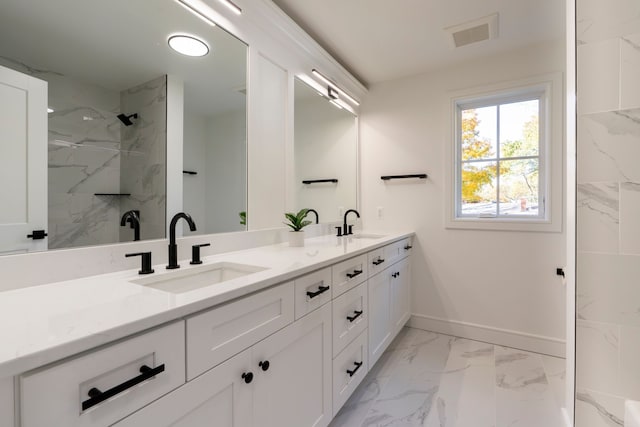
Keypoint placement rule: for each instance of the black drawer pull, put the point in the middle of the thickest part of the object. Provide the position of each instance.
(396, 274)
(353, 318)
(406, 248)
(378, 261)
(353, 372)
(321, 290)
(247, 377)
(264, 365)
(354, 274)
(97, 396)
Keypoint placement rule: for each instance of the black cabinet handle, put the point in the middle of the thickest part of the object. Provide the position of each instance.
(37, 235)
(406, 248)
(96, 396)
(353, 318)
(378, 261)
(247, 377)
(321, 290)
(264, 365)
(353, 372)
(354, 274)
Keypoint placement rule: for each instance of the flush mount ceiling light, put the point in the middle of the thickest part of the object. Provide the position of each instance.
(334, 86)
(188, 45)
(196, 11)
(50, 110)
(232, 6)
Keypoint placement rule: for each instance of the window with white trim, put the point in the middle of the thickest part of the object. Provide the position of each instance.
(501, 146)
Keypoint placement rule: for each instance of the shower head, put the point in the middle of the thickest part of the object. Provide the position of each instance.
(126, 120)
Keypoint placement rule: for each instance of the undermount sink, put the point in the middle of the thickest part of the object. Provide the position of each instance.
(367, 236)
(199, 277)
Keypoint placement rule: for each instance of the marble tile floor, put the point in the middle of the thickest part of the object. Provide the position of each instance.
(433, 380)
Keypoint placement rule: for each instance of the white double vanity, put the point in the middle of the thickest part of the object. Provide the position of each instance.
(269, 336)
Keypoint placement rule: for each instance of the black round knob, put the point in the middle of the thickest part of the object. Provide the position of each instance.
(247, 377)
(264, 365)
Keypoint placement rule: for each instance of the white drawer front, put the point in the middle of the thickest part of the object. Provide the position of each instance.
(350, 317)
(54, 396)
(345, 380)
(394, 252)
(348, 274)
(216, 335)
(377, 261)
(312, 291)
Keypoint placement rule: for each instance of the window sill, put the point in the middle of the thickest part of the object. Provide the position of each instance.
(504, 224)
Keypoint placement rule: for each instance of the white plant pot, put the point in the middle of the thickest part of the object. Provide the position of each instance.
(296, 239)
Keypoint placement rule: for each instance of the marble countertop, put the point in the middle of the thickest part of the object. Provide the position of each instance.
(42, 324)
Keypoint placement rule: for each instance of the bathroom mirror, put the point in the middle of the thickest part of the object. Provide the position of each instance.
(85, 110)
(325, 153)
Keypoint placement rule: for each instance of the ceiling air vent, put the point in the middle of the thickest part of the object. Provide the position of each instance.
(474, 31)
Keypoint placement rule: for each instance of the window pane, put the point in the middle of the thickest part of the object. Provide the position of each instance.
(478, 188)
(519, 182)
(479, 133)
(519, 129)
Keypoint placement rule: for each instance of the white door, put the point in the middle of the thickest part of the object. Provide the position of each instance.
(379, 314)
(400, 282)
(218, 398)
(23, 161)
(295, 390)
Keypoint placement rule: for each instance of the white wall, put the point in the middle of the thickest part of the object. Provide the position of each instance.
(226, 183)
(195, 128)
(486, 285)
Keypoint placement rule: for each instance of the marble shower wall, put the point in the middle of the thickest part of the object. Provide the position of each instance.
(144, 157)
(608, 234)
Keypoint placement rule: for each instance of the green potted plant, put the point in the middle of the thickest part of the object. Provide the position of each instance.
(297, 222)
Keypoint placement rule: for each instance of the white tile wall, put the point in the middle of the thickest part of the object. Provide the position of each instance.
(599, 76)
(629, 71)
(598, 367)
(598, 211)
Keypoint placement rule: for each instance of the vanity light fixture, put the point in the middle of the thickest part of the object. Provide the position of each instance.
(334, 86)
(195, 11)
(333, 102)
(188, 45)
(232, 6)
(50, 110)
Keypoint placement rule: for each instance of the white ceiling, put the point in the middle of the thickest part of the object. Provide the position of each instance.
(380, 40)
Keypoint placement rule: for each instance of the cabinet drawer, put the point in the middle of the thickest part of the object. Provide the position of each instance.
(349, 317)
(377, 261)
(59, 395)
(312, 291)
(349, 368)
(348, 274)
(397, 250)
(216, 335)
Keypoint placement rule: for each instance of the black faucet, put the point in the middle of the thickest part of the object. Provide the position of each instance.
(347, 229)
(173, 248)
(133, 218)
(316, 213)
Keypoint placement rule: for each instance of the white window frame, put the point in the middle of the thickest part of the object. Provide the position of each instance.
(549, 90)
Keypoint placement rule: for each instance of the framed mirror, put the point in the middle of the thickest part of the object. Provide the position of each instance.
(85, 109)
(325, 154)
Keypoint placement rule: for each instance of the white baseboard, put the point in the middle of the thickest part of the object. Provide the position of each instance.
(508, 338)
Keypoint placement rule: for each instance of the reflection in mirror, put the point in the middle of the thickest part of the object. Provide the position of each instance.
(83, 91)
(215, 141)
(325, 152)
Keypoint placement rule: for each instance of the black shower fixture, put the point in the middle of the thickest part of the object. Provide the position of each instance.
(126, 120)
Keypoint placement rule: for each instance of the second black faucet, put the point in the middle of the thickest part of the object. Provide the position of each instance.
(173, 248)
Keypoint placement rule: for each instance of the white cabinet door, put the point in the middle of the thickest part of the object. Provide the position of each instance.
(295, 390)
(6, 402)
(218, 398)
(23, 161)
(379, 315)
(400, 302)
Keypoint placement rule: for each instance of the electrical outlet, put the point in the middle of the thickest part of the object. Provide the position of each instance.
(340, 211)
(380, 212)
